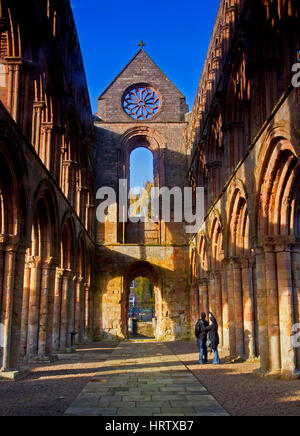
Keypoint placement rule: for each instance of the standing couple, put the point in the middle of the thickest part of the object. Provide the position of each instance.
(207, 336)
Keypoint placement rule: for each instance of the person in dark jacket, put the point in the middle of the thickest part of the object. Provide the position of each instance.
(201, 335)
(214, 338)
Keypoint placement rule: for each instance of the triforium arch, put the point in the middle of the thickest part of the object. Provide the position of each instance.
(70, 157)
(142, 136)
(39, 276)
(147, 270)
(278, 253)
(236, 123)
(214, 154)
(241, 270)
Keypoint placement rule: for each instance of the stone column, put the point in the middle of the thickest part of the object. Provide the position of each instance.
(262, 306)
(296, 287)
(49, 335)
(201, 296)
(212, 295)
(194, 302)
(90, 313)
(231, 309)
(273, 310)
(248, 303)
(218, 299)
(34, 307)
(57, 309)
(78, 308)
(2, 265)
(225, 311)
(238, 309)
(44, 306)
(71, 311)
(25, 307)
(82, 312)
(8, 362)
(38, 106)
(204, 299)
(47, 133)
(65, 334)
(286, 308)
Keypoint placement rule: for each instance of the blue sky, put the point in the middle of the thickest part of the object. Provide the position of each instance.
(177, 35)
(141, 167)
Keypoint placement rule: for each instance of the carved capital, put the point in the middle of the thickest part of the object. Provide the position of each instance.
(33, 261)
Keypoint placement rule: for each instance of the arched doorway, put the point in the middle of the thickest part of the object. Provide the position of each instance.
(150, 274)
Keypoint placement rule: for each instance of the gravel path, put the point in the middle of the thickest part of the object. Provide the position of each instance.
(50, 389)
(238, 390)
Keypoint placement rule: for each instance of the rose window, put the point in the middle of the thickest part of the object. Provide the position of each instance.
(141, 102)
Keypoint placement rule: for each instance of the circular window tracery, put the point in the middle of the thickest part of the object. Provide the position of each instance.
(141, 102)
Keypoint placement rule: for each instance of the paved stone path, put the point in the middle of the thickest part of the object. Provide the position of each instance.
(142, 378)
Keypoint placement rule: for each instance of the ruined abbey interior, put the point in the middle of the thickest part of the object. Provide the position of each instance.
(64, 276)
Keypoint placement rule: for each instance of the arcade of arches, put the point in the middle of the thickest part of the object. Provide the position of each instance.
(65, 278)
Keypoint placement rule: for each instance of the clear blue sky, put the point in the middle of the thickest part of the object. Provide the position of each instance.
(141, 167)
(177, 35)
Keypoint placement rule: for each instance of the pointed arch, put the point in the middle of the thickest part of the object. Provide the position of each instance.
(67, 250)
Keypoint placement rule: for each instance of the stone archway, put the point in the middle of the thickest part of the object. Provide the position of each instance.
(141, 269)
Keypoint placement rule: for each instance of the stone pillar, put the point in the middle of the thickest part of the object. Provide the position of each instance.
(225, 311)
(71, 310)
(231, 309)
(286, 308)
(82, 313)
(273, 313)
(12, 305)
(34, 308)
(17, 307)
(65, 339)
(57, 309)
(262, 306)
(44, 306)
(296, 287)
(248, 303)
(78, 308)
(204, 299)
(88, 319)
(50, 328)
(25, 307)
(211, 294)
(218, 299)
(238, 309)
(38, 106)
(194, 302)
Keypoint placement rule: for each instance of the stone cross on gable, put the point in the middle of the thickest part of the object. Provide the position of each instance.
(142, 44)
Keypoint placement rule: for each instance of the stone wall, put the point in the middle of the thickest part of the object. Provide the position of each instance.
(243, 137)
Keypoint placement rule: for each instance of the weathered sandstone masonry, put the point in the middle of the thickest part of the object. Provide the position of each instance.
(46, 185)
(157, 251)
(243, 139)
